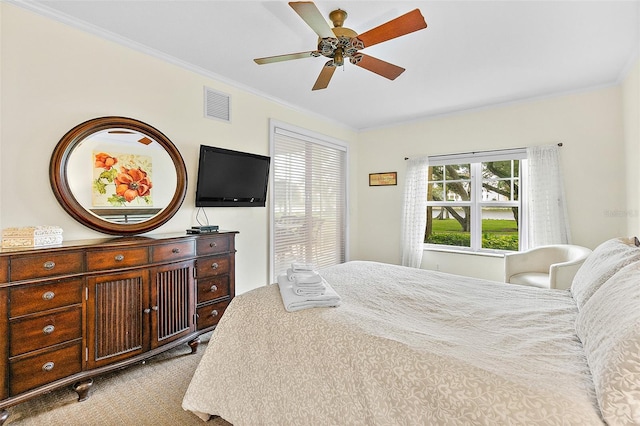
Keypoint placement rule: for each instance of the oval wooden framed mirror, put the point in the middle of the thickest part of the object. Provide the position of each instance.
(118, 175)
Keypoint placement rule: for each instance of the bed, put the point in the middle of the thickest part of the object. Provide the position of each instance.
(410, 346)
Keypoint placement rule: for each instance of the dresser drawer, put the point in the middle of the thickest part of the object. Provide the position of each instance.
(212, 266)
(41, 297)
(45, 265)
(117, 258)
(213, 244)
(209, 315)
(33, 371)
(40, 331)
(4, 269)
(173, 251)
(213, 288)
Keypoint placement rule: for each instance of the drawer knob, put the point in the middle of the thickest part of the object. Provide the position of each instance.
(48, 329)
(119, 257)
(212, 244)
(48, 366)
(214, 313)
(214, 288)
(48, 295)
(146, 311)
(175, 250)
(215, 265)
(49, 265)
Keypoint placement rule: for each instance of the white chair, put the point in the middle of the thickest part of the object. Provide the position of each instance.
(552, 266)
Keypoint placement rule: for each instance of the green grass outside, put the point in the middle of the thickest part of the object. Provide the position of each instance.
(500, 234)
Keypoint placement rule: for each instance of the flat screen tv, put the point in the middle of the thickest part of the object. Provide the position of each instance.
(229, 178)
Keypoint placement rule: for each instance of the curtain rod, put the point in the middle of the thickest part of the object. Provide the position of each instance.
(475, 152)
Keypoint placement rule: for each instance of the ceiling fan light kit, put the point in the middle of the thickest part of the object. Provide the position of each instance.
(339, 42)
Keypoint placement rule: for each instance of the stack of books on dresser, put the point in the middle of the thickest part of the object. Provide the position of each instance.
(31, 236)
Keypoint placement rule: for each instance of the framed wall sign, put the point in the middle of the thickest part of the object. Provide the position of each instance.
(383, 179)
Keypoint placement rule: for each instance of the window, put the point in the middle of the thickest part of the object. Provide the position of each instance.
(474, 201)
(309, 196)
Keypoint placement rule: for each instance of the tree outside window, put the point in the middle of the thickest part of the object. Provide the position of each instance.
(475, 205)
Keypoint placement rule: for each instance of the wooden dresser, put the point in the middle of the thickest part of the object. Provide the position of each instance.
(71, 312)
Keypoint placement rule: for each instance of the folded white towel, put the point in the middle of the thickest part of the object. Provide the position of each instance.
(300, 266)
(317, 289)
(304, 277)
(293, 302)
(308, 293)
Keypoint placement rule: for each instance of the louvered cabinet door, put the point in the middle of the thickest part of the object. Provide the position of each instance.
(173, 301)
(117, 314)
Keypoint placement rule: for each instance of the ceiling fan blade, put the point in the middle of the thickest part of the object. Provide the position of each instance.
(378, 66)
(402, 25)
(312, 16)
(288, 57)
(325, 76)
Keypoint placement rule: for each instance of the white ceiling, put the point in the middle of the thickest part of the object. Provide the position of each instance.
(472, 54)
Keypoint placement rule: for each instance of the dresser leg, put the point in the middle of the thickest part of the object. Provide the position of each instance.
(194, 345)
(4, 415)
(82, 389)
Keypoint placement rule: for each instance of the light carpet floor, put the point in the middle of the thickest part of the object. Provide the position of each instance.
(141, 394)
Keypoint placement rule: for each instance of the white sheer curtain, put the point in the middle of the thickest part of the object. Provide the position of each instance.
(414, 215)
(547, 208)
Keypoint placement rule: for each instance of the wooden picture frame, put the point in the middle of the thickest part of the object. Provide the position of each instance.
(383, 179)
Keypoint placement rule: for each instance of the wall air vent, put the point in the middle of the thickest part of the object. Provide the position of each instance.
(217, 105)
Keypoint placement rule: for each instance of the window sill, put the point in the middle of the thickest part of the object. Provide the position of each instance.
(467, 252)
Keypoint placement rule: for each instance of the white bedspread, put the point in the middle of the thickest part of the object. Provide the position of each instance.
(406, 347)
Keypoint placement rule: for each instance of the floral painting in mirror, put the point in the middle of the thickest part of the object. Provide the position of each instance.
(121, 180)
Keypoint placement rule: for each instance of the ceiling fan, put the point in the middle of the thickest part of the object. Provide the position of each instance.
(339, 42)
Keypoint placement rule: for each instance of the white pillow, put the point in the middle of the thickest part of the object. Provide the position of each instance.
(609, 328)
(607, 259)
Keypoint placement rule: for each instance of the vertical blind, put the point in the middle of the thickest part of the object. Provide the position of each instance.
(309, 201)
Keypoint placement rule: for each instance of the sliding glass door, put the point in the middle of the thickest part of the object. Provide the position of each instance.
(308, 194)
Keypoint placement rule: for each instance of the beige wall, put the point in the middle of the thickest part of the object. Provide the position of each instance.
(589, 125)
(1, 103)
(55, 76)
(631, 111)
